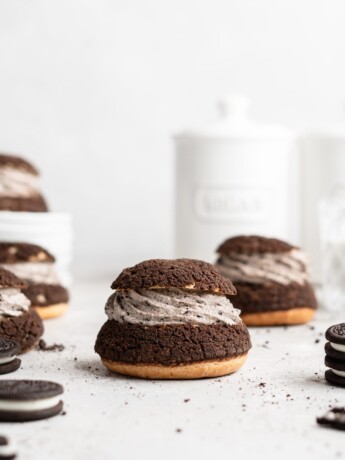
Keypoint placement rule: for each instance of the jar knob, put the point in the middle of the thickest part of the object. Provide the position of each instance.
(234, 106)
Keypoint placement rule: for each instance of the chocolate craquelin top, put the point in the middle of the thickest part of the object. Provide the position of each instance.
(254, 245)
(16, 162)
(11, 253)
(179, 273)
(9, 280)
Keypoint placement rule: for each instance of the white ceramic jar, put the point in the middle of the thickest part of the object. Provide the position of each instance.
(234, 177)
(323, 174)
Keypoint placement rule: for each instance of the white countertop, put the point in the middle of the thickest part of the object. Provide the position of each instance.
(266, 410)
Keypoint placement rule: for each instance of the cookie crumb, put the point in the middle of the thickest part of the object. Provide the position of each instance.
(334, 418)
(42, 346)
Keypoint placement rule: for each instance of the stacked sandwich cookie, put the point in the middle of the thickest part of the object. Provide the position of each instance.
(172, 319)
(35, 265)
(335, 355)
(271, 278)
(18, 320)
(19, 186)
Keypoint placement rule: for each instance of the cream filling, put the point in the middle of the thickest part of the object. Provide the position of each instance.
(338, 347)
(7, 360)
(35, 272)
(170, 306)
(16, 183)
(282, 268)
(28, 406)
(13, 302)
(340, 373)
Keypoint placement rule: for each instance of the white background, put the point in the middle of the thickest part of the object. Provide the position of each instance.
(92, 91)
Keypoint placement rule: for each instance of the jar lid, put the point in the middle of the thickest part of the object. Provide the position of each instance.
(235, 124)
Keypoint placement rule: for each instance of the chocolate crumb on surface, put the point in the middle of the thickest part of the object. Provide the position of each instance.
(42, 346)
(334, 418)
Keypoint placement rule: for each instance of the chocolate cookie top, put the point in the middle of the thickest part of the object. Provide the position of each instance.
(21, 390)
(336, 333)
(9, 348)
(178, 273)
(11, 253)
(253, 245)
(9, 280)
(18, 163)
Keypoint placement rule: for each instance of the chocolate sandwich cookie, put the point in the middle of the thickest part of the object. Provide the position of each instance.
(7, 451)
(271, 279)
(334, 418)
(28, 400)
(9, 349)
(18, 320)
(35, 265)
(172, 319)
(19, 186)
